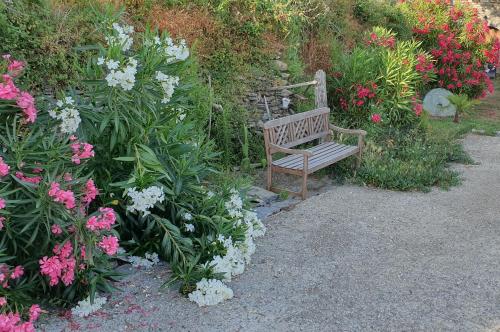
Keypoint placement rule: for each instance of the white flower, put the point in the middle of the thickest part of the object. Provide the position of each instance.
(182, 116)
(187, 216)
(69, 116)
(168, 84)
(210, 194)
(210, 292)
(189, 227)
(235, 205)
(85, 308)
(112, 64)
(124, 78)
(145, 199)
(121, 36)
(174, 52)
(148, 261)
(100, 61)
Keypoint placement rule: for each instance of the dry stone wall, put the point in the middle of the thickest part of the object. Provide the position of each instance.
(489, 9)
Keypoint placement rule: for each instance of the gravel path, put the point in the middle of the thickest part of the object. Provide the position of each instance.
(351, 259)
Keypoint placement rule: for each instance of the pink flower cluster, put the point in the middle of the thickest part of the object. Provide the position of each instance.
(34, 179)
(9, 91)
(90, 193)
(104, 221)
(81, 151)
(109, 244)
(7, 274)
(11, 322)
(65, 197)
(61, 266)
(4, 168)
(376, 118)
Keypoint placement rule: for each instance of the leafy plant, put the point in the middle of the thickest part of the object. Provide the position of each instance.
(462, 103)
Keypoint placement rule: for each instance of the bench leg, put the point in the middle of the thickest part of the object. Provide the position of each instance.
(359, 157)
(269, 177)
(303, 193)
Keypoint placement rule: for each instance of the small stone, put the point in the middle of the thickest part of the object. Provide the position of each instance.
(282, 66)
(285, 76)
(286, 93)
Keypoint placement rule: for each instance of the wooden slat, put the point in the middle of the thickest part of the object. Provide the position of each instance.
(316, 149)
(324, 154)
(337, 158)
(296, 117)
(297, 163)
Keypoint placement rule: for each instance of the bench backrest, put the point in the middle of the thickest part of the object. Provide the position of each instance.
(293, 130)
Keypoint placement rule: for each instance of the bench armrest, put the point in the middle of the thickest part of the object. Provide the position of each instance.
(277, 148)
(358, 132)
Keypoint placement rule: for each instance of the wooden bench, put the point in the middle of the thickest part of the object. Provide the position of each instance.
(281, 135)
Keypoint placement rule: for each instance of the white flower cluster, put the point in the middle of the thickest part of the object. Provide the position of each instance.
(173, 52)
(68, 114)
(148, 261)
(118, 75)
(235, 205)
(145, 199)
(210, 292)
(168, 83)
(122, 36)
(237, 253)
(85, 308)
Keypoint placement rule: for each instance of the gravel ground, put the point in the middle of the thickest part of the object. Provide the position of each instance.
(351, 259)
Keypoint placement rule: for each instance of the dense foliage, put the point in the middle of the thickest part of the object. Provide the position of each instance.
(458, 40)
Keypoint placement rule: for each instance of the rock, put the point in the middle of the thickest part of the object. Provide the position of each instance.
(286, 93)
(436, 103)
(285, 76)
(498, 133)
(262, 196)
(281, 65)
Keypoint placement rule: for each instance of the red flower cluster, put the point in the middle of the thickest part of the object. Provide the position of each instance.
(364, 94)
(375, 39)
(459, 46)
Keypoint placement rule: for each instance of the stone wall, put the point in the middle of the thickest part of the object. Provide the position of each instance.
(260, 91)
(489, 9)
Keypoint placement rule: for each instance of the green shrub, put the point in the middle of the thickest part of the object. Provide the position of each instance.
(44, 34)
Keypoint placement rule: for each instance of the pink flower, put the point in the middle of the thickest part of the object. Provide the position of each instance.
(2, 203)
(109, 244)
(376, 118)
(18, 272)
(65, 197)
(15, 67)
(3, 301)
(51, 267)
(91, 192)
(27, 103)
(12, 322)
(7, 89)
(103, 221)
(81, 151)
(67, 177)
(34, 312)
(418, 108)
(60, 267)
(83, 252)
(22, 177)
(4, 168)
(2, 220)
(56, 229)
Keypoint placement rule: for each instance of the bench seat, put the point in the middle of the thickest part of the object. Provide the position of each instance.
(324, 154)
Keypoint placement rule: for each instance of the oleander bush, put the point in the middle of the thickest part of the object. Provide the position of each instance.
(56, 242)
(139, 110)
(458, 40)
(379, 82)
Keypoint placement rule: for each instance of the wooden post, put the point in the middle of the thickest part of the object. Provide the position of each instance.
(320, 89)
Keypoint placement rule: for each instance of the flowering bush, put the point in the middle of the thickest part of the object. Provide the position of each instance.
(458, 40)
(153, 166)
(46, 208)
(379, 82)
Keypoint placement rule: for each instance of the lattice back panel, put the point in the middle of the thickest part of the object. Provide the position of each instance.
(299, 131)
